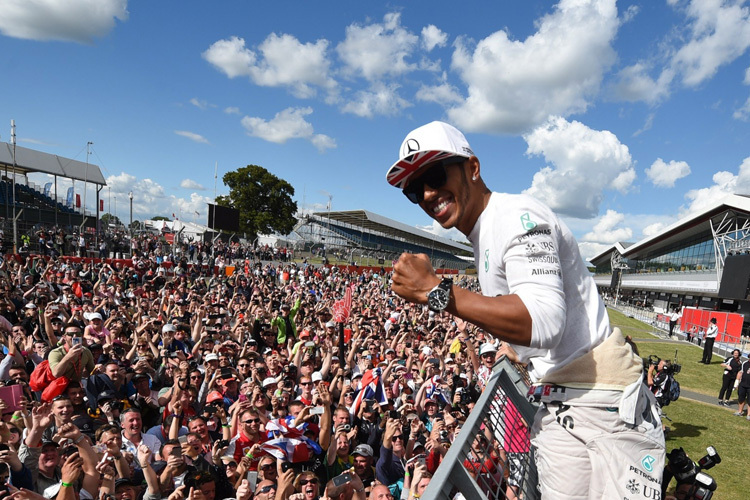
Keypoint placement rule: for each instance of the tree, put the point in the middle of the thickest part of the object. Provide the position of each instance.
(108, 218)
(264, 200)
(161, 217)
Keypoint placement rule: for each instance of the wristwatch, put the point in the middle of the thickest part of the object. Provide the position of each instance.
(438, 297)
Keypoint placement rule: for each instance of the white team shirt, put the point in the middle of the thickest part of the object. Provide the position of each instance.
(521, 247)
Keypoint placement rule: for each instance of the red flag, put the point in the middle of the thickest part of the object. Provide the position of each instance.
(78, 201)
(101, 205)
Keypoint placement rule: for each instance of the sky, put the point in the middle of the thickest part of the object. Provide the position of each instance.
(624, 117)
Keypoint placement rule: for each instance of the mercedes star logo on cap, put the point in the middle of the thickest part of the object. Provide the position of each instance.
(411, 146)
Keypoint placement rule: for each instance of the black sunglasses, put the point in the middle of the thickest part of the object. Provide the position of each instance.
(435, 177)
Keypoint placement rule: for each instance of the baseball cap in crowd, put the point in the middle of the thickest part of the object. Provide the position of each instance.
(389, 351)
(105, 396)
(168, 327)
(487, 348)
(269, 381)
(123, 481)
(139, 376)
(363, 449)
(317, 377)
(211, 356)
(430, 401)
(427, 144)
(304, 334)
(427, 350)
(214, 396)
(30, 305)
(95, 315)
(330, 324)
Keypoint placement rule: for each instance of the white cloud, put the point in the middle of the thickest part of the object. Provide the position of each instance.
(746, 81)
(433, 37)
(192, 136)
(630, 13)
(646, 125)
(149, 198)
(232, 110)
(380, 99)
(717, 33)
(287, 124)
(606, 230)
(231, 57)
(720, 34)
(633, 83)
(653, 229)
(282, 61)
(378, 50)
(725, 183)
(743, 112)
(663, 174)
(191, 184)
(200, 104)
(516, 85)
(444, 94)
(438, 230)
(589, 249)
(585, 162)
(65, 20)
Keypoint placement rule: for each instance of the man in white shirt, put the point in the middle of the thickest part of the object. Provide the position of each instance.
(539, 297)
(673, 319)
(132, 435)
(708, 348)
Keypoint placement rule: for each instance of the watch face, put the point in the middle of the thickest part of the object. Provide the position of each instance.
(437, 299)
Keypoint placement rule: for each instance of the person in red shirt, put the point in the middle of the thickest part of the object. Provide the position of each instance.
(306, 387)
(244, 443)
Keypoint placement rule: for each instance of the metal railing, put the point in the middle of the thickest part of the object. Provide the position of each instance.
(492, 456)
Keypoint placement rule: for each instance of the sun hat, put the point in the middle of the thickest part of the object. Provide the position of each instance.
(426, 144)
(487, 348)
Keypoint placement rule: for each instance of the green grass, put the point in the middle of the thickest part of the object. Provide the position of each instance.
(697, 425)
(630, 326)
(694, 376)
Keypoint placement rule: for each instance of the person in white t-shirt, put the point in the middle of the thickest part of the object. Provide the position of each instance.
(673, 319)
(537, 295)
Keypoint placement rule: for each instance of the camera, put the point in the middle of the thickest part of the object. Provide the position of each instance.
(690, 478)
(672, 368)
(444, 436)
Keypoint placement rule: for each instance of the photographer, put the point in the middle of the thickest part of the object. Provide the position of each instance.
(659, 380)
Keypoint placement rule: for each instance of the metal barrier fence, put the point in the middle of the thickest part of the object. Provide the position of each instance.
(492, 457)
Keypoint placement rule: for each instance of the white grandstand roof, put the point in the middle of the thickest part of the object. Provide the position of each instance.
(693, 224)
(31, 160)
(374, 222)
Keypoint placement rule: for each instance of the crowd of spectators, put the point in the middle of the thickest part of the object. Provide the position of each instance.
(196, 385)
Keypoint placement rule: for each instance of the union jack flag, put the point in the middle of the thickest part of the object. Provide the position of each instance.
(288, 449)
(290, 443)
(401, 171)
(435, 391)
(371, 388)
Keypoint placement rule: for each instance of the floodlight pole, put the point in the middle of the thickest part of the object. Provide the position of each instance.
(15, 223)
(86, 180)
(130, 227)
(621, 268)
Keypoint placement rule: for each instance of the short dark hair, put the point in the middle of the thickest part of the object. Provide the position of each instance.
(71, 325)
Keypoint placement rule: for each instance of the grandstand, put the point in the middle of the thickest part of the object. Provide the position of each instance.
(367, 234)
(700, 261)
(36, 205)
